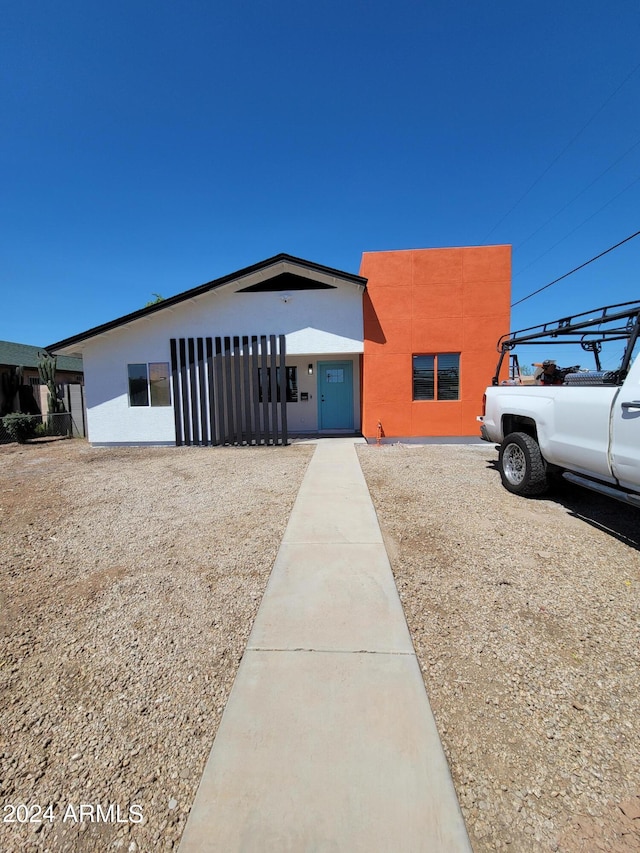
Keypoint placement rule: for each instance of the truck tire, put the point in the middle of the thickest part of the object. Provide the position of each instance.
(522, 468)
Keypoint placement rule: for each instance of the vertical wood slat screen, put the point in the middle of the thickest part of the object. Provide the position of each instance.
(222, 390)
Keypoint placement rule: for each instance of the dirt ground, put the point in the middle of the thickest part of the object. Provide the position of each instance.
(131, 578)
(130, 581)
(526, 621)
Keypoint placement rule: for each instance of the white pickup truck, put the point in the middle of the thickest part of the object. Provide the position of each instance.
(586, 429)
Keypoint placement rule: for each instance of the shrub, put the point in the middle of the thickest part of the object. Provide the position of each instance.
(19, 427)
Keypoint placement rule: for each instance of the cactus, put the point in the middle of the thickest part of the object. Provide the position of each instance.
(47, 370)
(47, 367)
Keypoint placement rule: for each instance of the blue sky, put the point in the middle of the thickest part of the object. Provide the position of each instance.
(148, 147)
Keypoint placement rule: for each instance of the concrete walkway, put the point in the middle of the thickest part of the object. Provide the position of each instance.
(327, 742)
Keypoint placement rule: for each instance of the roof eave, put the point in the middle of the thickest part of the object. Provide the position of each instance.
(72, 341)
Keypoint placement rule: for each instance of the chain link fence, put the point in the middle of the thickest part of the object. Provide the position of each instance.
(24, 428)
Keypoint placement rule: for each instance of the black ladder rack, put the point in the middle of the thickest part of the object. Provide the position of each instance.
(589, 329)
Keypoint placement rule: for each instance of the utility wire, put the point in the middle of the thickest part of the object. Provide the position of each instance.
(564, 150)
(577, 228)
(571, 272)
(576, 197)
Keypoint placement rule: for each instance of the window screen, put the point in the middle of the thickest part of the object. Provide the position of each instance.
(448, 376)
(159, 383)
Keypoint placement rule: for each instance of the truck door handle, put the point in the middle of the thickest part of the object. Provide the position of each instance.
(632, 404)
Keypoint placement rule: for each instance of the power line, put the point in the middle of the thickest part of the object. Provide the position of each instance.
(578, 227)
(571, 272)
(582, 192)
(564, 150)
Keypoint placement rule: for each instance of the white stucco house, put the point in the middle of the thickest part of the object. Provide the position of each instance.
(271, 350)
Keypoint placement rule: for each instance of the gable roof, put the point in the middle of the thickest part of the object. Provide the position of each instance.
(281, 272)
(25, 355)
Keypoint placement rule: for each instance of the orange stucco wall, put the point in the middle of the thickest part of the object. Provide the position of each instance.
(430, 301)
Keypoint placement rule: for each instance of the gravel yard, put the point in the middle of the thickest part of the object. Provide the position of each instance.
(131, 578)
(130, 581)
(525, 618)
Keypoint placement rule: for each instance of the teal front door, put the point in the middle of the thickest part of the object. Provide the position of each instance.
(335, 395)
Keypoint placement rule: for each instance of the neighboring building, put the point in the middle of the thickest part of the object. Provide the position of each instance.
(288, 346)
(12, 355)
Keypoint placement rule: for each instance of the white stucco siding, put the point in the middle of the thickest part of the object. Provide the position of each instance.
(313, 320)
(110, 418)
(317, 324)
(318, 341)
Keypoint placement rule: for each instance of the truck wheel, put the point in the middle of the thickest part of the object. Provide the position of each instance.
(522, 468)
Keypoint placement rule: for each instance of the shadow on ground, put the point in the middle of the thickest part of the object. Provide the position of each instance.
(611, 516)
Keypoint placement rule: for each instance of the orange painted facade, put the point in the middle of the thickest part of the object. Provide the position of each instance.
(430, 302)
